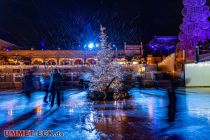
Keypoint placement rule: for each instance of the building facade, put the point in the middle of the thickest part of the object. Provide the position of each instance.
(56, 57)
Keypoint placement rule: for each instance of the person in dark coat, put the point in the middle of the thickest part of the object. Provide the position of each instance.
(140, 82)
(81, 84)
(172, 98)
(46, 87)
(28, 84)
(55, 86)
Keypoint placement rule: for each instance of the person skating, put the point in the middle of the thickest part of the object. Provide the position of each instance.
(28, 84)
(55, 86)
(46, 88)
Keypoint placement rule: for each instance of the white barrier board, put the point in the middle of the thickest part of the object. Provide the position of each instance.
(197, 74)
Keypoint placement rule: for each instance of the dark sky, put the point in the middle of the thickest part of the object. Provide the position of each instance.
(60, 23)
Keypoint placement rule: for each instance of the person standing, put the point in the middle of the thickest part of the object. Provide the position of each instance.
(28, 83)
(55, 86)
(171, 91)
(139, 78)
(81, 84)
(46, 87)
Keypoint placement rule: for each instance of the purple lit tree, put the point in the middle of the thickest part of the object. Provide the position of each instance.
(195, 26)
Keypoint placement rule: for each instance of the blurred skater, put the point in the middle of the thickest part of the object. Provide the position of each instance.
(46, 88)
(81, 84)
(28, 85)
(55, 87)
(139, 79)
(171, 104)
(171, 91)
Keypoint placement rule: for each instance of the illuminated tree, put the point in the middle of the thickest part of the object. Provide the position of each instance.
(195, 26)
(106, 80)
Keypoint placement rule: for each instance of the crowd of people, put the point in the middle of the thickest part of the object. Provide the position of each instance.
(51, 85)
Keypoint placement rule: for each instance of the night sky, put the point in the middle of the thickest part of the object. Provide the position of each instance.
(50, 24)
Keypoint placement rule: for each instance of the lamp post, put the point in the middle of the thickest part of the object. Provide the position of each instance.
(116, 54)
(116, 50)
(197, 53)
(184, 58)
(141, 50)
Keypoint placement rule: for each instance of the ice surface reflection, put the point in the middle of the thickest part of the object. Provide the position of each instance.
(144, 116)
(38, 110)
(199, 107)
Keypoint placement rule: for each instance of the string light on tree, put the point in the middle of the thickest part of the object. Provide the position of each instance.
(106, 81)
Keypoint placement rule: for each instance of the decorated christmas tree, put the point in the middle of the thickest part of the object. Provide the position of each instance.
(107, 78)
(195, 26)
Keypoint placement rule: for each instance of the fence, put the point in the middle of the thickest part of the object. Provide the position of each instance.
(11, 77)
(14, 81)
(202, 58)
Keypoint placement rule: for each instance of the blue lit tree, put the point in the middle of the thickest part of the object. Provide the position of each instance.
(195, 26)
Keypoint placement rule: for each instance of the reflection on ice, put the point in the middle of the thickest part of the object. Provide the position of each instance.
(199, 106)
(71, 110)
(151, 108)
(38, 110)
(10, 113)
(143, 116)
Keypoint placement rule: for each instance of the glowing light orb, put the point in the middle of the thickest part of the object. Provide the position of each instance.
(90, 45)
(85, 46)
(113, 45)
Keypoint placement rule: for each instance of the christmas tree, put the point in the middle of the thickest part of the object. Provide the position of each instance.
(107, 78)
(195, 26)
